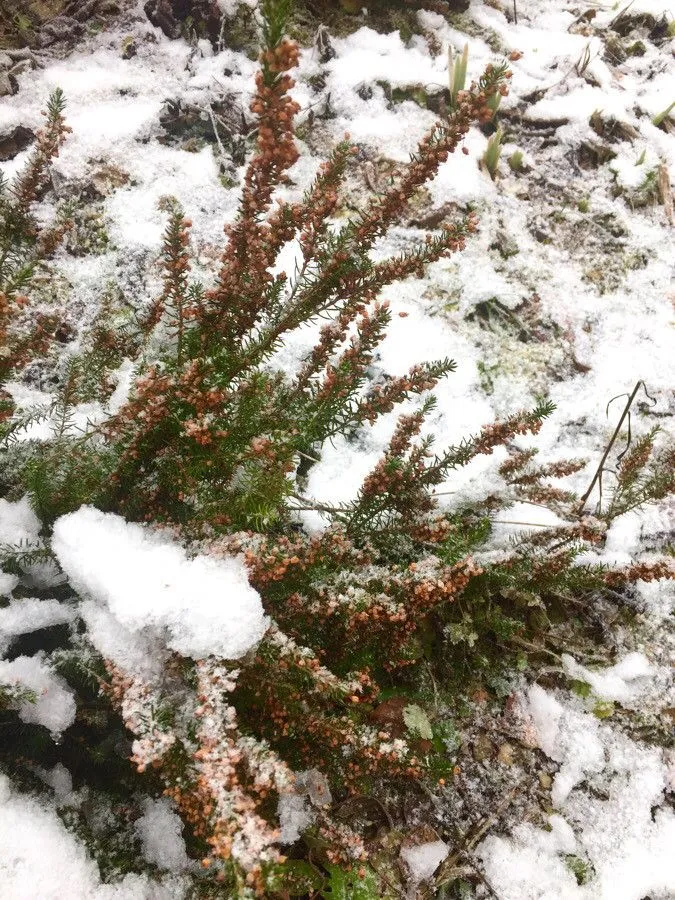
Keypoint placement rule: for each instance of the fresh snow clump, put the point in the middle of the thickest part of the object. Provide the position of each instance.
(159, 829)
(40, 860)
(295, 815)
(18, 523)
(53, 704)
(205, 605)
(624, 682)
(30, 614)
(424, 859)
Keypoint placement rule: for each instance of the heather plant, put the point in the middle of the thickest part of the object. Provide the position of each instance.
(213, 432)
(397, 600)
(23, 245)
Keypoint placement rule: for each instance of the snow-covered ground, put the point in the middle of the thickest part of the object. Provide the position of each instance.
(567, 291)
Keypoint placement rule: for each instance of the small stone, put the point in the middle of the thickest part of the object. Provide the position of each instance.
(8, 84)
(129, 49)
(107, 179)
(14, 140)
(545, 780)
(483, 748)
(505, 754)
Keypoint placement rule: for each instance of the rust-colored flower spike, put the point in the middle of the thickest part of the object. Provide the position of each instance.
(48, 142)
(646, 571)
(23, 244)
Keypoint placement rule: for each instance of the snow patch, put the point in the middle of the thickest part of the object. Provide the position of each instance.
(423, 860)
(39, 858)
(613, 823)
(52, 704)
(205, 605)
(160, 830)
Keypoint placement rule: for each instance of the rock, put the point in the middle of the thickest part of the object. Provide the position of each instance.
(170, 16)
(14, 140)
(483, 748)
(506, 754)
(24, 65)
(106, 180)
(5, 61)
(506, 245)
(8, 84)
(59, 30)
(161, 14)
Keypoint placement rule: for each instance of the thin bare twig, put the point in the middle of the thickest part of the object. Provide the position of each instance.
(598, 472)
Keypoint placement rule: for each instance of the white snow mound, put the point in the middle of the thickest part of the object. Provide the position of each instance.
(41, 860)
(52, 703)
(205, 605)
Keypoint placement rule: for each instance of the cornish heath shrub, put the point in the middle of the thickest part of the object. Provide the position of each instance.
(393, 597)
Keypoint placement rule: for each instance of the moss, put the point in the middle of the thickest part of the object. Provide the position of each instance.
(88, 235)
(638, 48)
(467, 25)
(345, 17)
(486, 375)
(582, 870)
(416, 94)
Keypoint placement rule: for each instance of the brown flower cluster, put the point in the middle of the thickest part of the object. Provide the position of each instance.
(23, 244)
(645, 571)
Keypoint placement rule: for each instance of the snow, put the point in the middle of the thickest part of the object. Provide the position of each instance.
(53, 704)
(624, 682)
(60, 781)
(205, 605)
(7, 583)
(568, 736)
(422, 860)
(40, 860)
(295, 815)
(612, 814)
(18, 523)
(30, 614)
(160, 830)
(530, 865)
(297, 808)
(132, 651)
